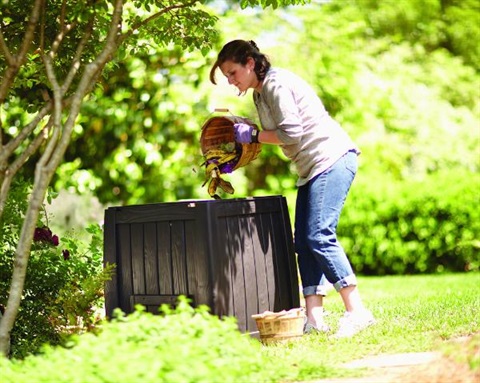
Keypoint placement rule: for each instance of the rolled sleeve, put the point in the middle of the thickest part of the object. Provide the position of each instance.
(285, 114)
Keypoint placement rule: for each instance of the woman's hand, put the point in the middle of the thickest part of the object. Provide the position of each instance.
(245, 134)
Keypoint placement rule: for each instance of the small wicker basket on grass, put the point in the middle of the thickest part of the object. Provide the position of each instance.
(280, 327)
(218, 131)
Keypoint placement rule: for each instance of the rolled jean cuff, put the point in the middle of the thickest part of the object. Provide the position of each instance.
(350, 280)
(315, 290)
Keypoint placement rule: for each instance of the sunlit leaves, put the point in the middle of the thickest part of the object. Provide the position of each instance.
(271, 3)
(182, 23)
(381, 90)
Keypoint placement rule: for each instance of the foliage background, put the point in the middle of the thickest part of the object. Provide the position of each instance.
(402, 78)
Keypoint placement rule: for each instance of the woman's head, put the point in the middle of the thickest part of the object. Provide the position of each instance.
(242, 63)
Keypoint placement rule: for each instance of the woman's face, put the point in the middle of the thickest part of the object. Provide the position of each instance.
(241, 76)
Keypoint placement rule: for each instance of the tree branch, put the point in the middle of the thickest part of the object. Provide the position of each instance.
(20, 57)
(4, 48)
(78, 54)
(54, 152)
(62, 14)
(41, 43)
(149, 19)
(18, 163)
(32, 24)
(58, 40)
(11, 146)
(57, 109)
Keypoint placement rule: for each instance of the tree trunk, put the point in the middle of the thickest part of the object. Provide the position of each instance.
(62, 117)
(46, 168)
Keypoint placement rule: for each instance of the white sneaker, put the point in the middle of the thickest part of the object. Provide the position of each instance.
(354, 322)
(311, 329)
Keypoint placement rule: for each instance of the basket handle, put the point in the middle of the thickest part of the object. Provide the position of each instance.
(220, 110)
(235, 118)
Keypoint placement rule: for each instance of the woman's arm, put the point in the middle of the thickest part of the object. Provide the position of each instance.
(269, 137)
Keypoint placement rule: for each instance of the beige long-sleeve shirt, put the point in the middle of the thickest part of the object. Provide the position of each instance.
(311, 138)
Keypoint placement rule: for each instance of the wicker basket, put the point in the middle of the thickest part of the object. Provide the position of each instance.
(280, 327)
(219, 130)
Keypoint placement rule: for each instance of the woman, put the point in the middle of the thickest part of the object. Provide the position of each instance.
(292, 116)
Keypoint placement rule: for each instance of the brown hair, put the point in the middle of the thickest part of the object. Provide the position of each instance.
(239, 51)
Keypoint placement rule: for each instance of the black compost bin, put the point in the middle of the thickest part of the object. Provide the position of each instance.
(235, 256)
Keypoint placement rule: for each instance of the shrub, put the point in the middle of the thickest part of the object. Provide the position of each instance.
(428, 226)
(184, 345)
(64, 281)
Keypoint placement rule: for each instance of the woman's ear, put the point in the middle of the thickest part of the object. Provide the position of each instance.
(250, 63)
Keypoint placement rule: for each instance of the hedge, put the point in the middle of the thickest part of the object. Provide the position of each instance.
(417, 226)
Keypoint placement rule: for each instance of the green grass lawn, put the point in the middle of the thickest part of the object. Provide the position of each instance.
(414, 314)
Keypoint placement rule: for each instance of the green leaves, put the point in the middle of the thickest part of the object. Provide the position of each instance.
(415, 226)
(182, 345)
(64, 278)
(271, 3)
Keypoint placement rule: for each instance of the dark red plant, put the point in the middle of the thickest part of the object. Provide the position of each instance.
(44, 234)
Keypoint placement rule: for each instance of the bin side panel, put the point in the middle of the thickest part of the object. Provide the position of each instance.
(264, 265)
(253, 251)
(232, 285)
(110, 257)
(253, 275)
(235, 256)
(192, 253)
(282, 299)
(177, 237)
(125, 284)
(151, 261)
(263, 255)
(290, 266)
(199, 266)
(164, 256)
(220, 255)
(138, 261)
(270, 268)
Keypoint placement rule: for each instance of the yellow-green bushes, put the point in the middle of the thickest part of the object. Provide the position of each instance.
(418, 226)
(184, 345)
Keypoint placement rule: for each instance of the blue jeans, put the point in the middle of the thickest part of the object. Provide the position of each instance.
(318, 207)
